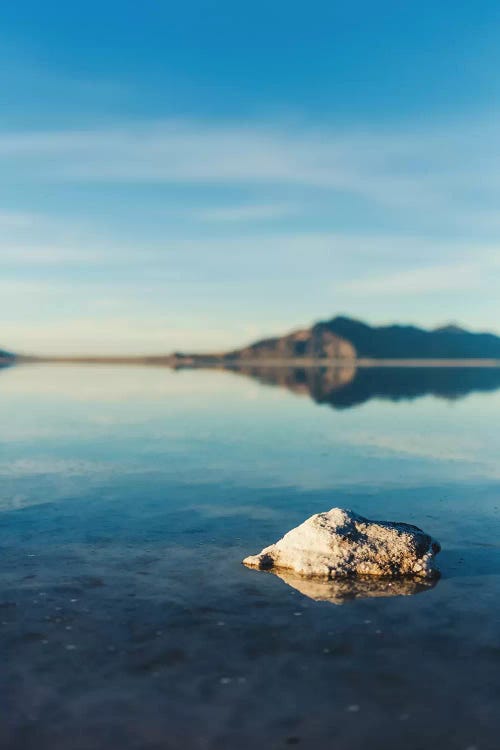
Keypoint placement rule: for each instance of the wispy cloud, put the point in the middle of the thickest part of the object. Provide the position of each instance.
(399, 167)
(10, 220)
(476, 269)
(39, 255)
(389, 259)
(247, 212)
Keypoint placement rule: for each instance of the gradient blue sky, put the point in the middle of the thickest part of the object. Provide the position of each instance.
(194, 175)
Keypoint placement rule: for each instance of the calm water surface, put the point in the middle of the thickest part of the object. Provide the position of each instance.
(129, 496)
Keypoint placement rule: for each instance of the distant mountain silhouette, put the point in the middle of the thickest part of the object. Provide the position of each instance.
(408, 342)
(344, 338)
(6, 358)
(345, 387)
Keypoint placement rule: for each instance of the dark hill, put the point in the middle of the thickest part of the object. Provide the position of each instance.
(407, 342)
(344, 338)
(6, 358)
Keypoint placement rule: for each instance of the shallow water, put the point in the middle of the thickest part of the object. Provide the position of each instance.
(129, 496)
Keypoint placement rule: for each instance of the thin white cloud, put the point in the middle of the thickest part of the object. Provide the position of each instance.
(479, 271)
(247, 212)
(35, 239)
(443, 264)
(39, 255)
(15, 220)
(398, 168)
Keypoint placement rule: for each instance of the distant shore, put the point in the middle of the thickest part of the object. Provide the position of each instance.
(210, 362)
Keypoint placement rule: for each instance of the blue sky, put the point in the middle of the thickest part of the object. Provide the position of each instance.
(195, 175)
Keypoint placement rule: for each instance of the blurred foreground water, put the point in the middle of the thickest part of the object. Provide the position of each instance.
(129, 496)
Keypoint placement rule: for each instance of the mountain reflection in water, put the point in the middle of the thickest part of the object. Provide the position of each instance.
(345, 387)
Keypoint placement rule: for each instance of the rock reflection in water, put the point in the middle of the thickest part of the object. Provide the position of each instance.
(342, 590)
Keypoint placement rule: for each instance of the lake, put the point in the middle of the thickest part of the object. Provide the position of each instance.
(128, 498)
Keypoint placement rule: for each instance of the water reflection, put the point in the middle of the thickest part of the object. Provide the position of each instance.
(345, 387)
(342, 590)
(339, 387)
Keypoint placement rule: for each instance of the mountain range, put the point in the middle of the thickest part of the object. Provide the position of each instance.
(339, 339)
(343, 338)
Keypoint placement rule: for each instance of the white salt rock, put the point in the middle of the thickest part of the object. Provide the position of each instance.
(339, 543)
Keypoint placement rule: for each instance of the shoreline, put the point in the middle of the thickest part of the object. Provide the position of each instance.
(209, 362)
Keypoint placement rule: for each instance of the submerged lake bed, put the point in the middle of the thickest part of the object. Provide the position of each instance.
(129, 497)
